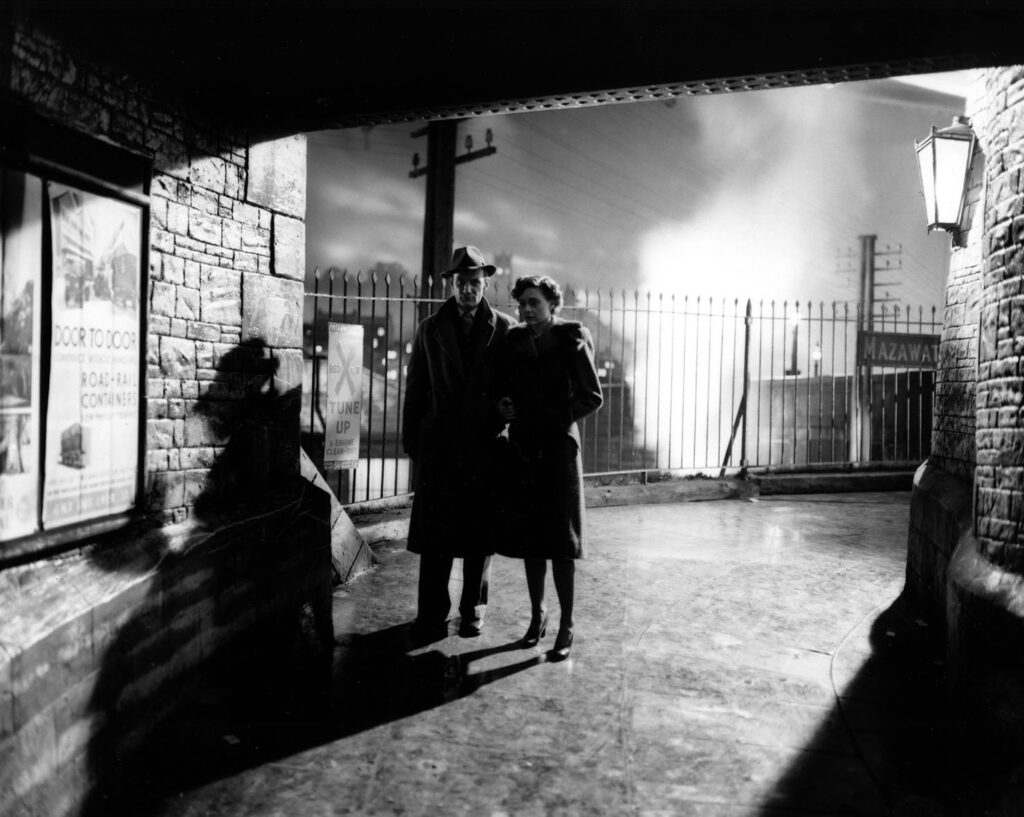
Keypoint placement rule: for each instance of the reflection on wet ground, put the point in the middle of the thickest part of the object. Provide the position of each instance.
(731, 658)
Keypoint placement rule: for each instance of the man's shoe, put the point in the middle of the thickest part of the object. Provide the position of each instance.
(422, 633)
(471, 628)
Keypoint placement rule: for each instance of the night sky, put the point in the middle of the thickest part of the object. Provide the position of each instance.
(753, 194)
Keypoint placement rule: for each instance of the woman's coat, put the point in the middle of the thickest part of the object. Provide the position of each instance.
(553, 384)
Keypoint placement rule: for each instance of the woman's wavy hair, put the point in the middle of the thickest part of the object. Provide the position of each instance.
(549, 288)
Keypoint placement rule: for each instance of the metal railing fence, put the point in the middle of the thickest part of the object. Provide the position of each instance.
(691, 384)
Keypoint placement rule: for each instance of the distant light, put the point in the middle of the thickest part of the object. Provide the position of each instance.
(392, 354)
(375, 343)
(392, 375)
(380, 331)
(318, 349)
(602, 372)
(408, 348)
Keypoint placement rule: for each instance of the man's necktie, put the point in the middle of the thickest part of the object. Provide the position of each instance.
(467, 323)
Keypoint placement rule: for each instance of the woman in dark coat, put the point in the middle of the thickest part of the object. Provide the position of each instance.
(546, 382)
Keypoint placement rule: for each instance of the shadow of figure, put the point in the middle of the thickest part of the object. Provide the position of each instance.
(234, 619)
(237, 566)
(893, 744)
(379, 680)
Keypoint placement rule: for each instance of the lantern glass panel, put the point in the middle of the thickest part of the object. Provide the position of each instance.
(926, 159)
(951, 160)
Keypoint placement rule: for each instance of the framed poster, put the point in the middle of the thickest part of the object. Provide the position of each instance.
(92, 412)
(21, 236)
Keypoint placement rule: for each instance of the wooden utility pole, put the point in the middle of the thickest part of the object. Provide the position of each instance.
(439, 213)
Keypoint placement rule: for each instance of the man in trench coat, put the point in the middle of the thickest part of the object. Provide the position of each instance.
(449, 427)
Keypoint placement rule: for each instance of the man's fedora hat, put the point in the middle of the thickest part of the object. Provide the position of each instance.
(469, 258)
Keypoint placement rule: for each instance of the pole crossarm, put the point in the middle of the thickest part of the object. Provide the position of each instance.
(460, 159)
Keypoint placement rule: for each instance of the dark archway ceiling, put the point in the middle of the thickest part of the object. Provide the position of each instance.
(273, 67)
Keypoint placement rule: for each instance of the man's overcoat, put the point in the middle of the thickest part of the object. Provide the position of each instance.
(449, 427)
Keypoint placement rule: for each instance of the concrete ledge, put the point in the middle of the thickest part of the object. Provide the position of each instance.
(384, 526)
(598, 495)
(832, 482)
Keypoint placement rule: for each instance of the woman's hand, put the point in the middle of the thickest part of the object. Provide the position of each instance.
(507, 409)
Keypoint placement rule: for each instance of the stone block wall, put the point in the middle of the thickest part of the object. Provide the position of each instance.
(953, 435)
(1000, 390)
(100, 660)
(941, 507)
(102, 646)
(226, 252)
(966, 545)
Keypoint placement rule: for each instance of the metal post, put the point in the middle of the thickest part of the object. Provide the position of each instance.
(793, 362)
(867, 260)
(748, 321)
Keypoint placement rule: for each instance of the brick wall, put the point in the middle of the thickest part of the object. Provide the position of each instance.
(1000, 390)
(953, 437)
(966, 545)
(941, 505)
(100, 647)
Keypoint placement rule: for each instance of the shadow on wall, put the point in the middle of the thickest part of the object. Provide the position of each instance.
(893, 745)
(232, 605)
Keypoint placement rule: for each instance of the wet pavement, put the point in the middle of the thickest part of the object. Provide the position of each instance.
(731, 658)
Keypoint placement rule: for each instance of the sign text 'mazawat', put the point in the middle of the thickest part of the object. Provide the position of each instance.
(899, 350)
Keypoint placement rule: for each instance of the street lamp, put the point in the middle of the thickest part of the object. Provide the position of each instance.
(816, 357)
(944, 157)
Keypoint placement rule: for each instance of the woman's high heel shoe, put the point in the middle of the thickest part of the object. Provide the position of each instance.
(535, 632)
(563, 644)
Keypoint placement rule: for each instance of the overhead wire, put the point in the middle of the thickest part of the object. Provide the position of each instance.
(552, 205)
(632, 178)
(702, 177)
